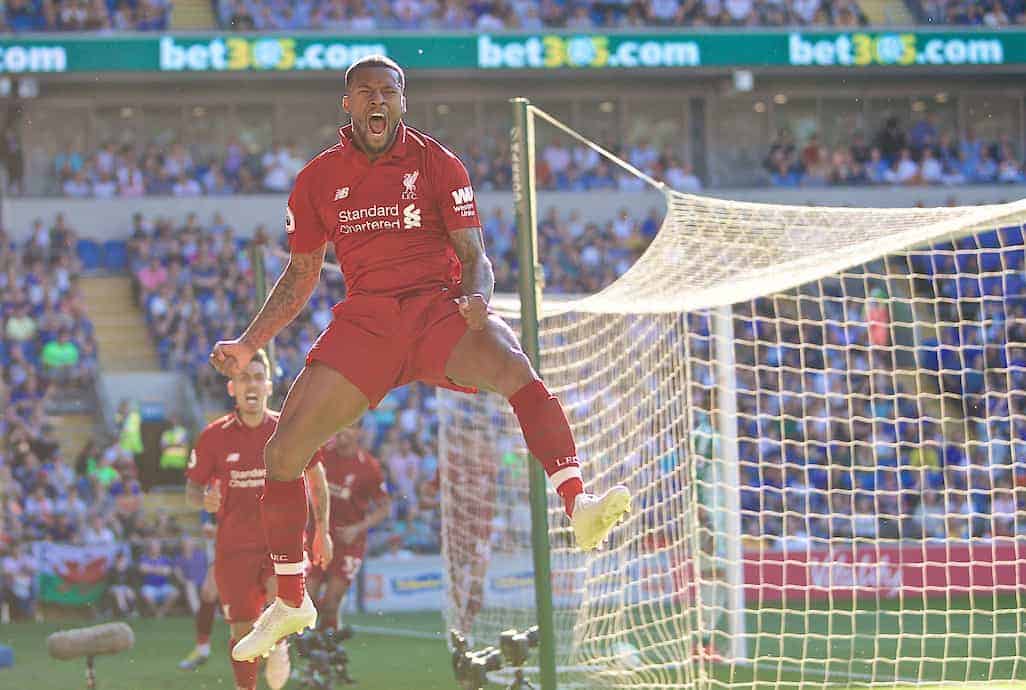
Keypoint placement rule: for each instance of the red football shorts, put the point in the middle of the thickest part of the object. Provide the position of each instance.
(241, 583)
(345, 563)
(381, 343)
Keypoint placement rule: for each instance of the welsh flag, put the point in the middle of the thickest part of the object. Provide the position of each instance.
(73, 575)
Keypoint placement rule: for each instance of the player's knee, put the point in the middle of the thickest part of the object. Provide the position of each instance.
(514, 373)
(277, 461)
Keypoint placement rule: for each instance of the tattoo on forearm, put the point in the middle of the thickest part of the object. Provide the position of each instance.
(317, 480)
(287, 297)
(321, 491)
(478, 277)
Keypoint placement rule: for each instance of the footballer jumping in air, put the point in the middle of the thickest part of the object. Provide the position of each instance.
(359, 501)
(226, 477)
(400, 211)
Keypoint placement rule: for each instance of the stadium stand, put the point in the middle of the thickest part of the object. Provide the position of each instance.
(25, 16)
(410, 15)
(921, 154)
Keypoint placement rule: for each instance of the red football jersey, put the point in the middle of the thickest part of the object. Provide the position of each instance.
(353, 482)
(389, 220)
(231, 453)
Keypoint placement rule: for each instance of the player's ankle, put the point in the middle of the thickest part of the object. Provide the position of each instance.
(291, 589)
(568, 491)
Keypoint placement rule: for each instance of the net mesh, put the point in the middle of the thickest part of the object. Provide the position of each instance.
(820, 414)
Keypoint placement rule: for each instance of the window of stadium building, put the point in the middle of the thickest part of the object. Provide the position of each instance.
(994, 118)
(120, 124)
(163, 125)
(839, 120)
(49, 143)
(662, 122)
(455, 123)
(255, 125)
(599, 120)
(208, 128)
(313, 127)
(798, 114)
(741, 137)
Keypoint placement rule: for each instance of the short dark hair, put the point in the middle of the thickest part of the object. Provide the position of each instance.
(377, 60)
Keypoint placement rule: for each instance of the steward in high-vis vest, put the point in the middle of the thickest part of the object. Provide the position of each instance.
(174, 450)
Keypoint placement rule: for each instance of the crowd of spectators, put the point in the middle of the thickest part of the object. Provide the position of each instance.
(130, 172)
(47, 340)
(835, 443)
(531, 15)
(21, 16)
(922, 155)
(988, 13)
(48, 356)
(363, 16)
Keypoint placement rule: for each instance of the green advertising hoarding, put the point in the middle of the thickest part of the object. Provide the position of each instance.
(214, 53)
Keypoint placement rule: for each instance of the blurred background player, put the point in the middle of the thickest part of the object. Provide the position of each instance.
(226, 477)
(473, 465)
(359, 501)
(208, 601)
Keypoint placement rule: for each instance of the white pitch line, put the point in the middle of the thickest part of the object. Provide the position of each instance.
(397, 632)
(840, 674)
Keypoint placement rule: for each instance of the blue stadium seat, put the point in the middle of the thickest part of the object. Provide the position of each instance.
(115, 254)
(90, 255)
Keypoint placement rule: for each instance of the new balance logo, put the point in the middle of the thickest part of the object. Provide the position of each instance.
(463, 195)
(232, 457)
(411, 217)
(341, 193)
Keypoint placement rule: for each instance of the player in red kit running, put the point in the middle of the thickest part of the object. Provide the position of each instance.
(359, 501)
(226, 477)
(400, 211)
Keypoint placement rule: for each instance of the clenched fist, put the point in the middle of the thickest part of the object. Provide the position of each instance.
(474, 309)
(231, 356)
(212, 498)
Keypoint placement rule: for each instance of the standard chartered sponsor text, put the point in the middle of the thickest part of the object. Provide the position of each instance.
(530, 53)
(375, 217)
(215, 55)
(18, 59)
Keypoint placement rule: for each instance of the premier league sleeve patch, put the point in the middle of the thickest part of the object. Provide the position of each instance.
(290, 221)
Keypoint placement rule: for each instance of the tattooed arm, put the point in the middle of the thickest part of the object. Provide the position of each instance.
(287, 298)
(323, 548)
(478, 278)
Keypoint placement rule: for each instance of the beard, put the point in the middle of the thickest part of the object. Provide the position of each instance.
(375, 143)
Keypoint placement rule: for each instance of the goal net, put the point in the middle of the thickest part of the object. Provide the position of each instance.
(821, 414)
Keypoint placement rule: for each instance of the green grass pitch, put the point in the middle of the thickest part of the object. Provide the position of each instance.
(800, 647)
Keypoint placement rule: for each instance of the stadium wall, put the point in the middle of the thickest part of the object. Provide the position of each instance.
(111, 219)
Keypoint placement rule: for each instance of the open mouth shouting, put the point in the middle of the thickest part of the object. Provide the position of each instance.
(377, 127)
(252, 399)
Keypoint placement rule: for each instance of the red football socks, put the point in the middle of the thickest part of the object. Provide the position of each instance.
(283, 514)
(205, 621)
(549, 439)
(245, 672)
